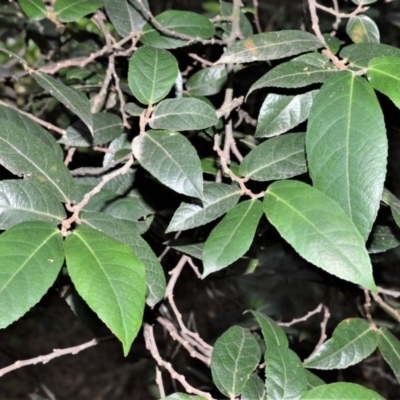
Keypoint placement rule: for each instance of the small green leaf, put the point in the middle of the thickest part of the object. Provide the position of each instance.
(192, 249)
(313, 380)
(34, 9)
(277, 158)
(382, 239)
(280, 113)
(235, 356)
(152, 73)
(31, 256)
(134, 110)
(110, 278)
(352, 340)
(253, 389)
(172, 159)
(319, 230)
(182, 396)
(362, 29)
(285, 375)
(389, 346)
(394, 203)
(232, 237)
(207, 81)
(72, 10)
(183, 115)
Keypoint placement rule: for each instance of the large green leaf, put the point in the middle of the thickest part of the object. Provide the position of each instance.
(235, 356)
(319, 230)
(110, 278)
(218, 199)
(207, 81)
(183, 115)
(72, 10)
(152, 73)
(285, 375)
(254, 389)
(277, 158)
(341, 390)
(34, 9)
(280, 113)
(383, 74)
(31, 256)
(394, 203)
(270, 46)
(362, 29)
(346, 147)
(23, 155)
(352, 340)
(172, 159)
(125, 232)
(389, 346)
(232, 237)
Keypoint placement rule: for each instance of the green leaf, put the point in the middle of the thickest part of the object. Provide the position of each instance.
(34, 9)
(152, 73)
(341, 390)
(299, 72)
(253, 389)
(383, 74)
(72, 10)
(362, 29)
(110, 278)
(172, 159)
(226, 10)
(207, 81)
(270, 46)
(232, 237)
(218, 199)
(363, 1)
(346, 147)
(31, 256)
(192, 249)
(382, 239)
(352, 340)
(280, 113)
(394, 203)
(106, 127)
(22, 200)
(183, 115)
(313, 380)
(273, 334)
(319, 230)
(277, 158)
(389, 346)
(285, 375)
(126, 15)
(235, 356)
(184, 22)
(124, 231)
(133, 109)
(23, 155)
(182, 396)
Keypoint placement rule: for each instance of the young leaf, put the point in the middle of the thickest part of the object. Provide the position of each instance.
(313, 380)
(235, 356)
(270, 46)
(22, 154)
(152, 73)
(218, 199)
(110, 278)
(285, 375)
(72, 10)
(280, 113)
(382, 239)
(362, 29)
(31, 256)
(254, 389)
(383, 74)
(319, 230)
(352, 340)
(232, 237)
(34, 9)
(183, 115)
(277, 158)
(346, 147)
(394, 203)
(171, 158)
(207, 81)
(389, 346)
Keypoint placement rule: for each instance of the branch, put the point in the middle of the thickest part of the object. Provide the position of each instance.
(390, 310)
(302, 319)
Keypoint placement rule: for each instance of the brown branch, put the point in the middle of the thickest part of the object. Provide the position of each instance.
(100, 170)
(389, 292)
(360, 9)
(70, 155)
(304, 318)
(256, 17)
(367, 306)
(160, 383)
(390, 310)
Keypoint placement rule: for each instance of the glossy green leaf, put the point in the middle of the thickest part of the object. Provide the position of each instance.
(182, 396)
(280, 113)
(23, 155)
(192, 249)
(235, 356)
(352, 340)
(277, 158)
(383, 74)
(72, 10)
(382, 239)
(152, 73)
(183, 115)
(106, 127)
(31, 256)
(172, 159)
(285, 375)
(346, 147)
(334, 44)
(313, 380)
(394, 203)
(34, 9)
(341, 390)
(218, 199)
(389, 346)
(319, 230)
(22, 200)
(270, 46)
(362, 29)
(126, 15)
(254, 389)
(232, 237)
(110, 278)
(207, 81)
(187, 23)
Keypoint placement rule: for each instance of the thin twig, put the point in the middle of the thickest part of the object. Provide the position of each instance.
(367, 306)
(70, 155)
(389, 292)
(160, 383)
(304, 318)
(256, 17)
(392, 311)
(100, 170)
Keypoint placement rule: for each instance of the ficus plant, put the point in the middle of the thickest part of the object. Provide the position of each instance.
(140, 145)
